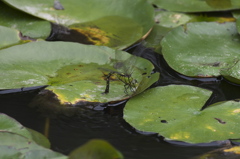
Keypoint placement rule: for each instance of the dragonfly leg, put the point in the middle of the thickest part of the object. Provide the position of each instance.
(107, 83)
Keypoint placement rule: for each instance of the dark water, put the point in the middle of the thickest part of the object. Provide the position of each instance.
(68, 132)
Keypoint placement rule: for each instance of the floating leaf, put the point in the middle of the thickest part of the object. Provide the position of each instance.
(115, 24)
(201, 49)
(222, 153)
(110, 31)
(39, 138)
(8, 37)
(235, 150)
(28, 25)
(10, 152)
(96, 149)
(8, 124)
(11, 125)
(174, 112)
(197, 5)
(26, 147)
(167, 20)
(236, 15)
(75, 72)
(232, 73)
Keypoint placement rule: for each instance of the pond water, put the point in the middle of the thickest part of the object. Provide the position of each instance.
(67, 132)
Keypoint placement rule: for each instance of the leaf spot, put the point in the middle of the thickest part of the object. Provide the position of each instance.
(220, 121)
(164, 121)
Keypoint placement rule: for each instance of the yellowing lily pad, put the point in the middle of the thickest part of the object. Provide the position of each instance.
(175, 112)
(115, 24)
(75, 72)
(227, 152)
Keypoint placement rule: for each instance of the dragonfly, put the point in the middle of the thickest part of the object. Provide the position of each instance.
(126, 71)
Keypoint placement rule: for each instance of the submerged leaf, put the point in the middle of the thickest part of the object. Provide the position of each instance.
(96, 149)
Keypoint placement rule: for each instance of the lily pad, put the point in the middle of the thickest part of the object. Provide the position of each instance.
(28, 25)
(175, 112)
(11, 125)
(75, 72)
(197, 5)
(103, 23)
(12, 142)
(39, 138)
(222, 153)
(8, 37)
(232, 73)
(8, 124)
(96, 149)
(202, 49)
(167, 20)
(236, 14)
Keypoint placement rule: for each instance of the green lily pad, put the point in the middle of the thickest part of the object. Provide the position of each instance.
(96, 149)
(8, 37)
(26, 147)
(232, 73)
(236, 14)
(171, 19)
(201, 49)
(39, 138)
(28, 25)
(75, 72)
(110, 24)
(197, 5)
(11, 125)
(174, 112)
(167, 20)
(110, 31)
(10, 152)
(8, 124)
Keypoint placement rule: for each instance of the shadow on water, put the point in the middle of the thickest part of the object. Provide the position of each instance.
(68, 132)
